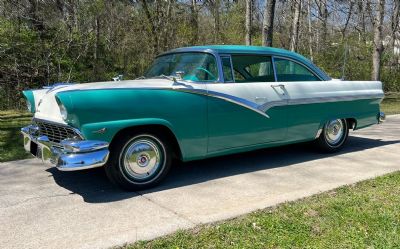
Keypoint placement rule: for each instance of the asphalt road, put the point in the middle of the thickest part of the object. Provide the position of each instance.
(43, 208)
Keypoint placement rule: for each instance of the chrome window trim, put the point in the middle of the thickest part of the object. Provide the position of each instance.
(222, 66)
(298, 62)
(273, 68)
(233, 73)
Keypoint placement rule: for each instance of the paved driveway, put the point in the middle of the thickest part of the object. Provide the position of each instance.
(43, 208)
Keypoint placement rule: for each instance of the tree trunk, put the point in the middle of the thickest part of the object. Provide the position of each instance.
(153, 28)
(378, 46)
(324, 17)
(268, 23)
(294, 35)
(216, 20)
(96, 48)
(396, 32)
(310, 34)
(249, 7)
(194, 19)
(167, 29)
(343, 31)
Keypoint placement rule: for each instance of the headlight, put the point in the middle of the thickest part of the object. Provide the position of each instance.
(29, 106)
(63, 111)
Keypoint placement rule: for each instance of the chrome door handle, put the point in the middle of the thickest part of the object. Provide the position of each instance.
(279, 85)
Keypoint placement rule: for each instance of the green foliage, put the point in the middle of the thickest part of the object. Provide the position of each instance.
(42, 42)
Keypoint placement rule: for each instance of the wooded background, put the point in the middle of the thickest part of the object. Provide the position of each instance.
(47, 41)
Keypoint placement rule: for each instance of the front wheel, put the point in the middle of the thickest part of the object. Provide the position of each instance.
(139, 161)
(333, 136)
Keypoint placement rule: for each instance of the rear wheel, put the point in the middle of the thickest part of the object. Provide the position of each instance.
(139, 161)
(333, 136)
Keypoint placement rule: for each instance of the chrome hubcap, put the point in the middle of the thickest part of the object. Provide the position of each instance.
(142, 159)
(334, 131)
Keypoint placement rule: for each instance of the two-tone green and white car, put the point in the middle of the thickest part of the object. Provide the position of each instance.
(195, 103)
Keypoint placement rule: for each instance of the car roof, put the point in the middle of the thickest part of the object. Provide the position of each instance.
(242, 49)
(239, 49)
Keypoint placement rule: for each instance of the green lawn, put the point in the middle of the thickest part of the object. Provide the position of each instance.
(391, 104)
(364, 215)
(11, 146)
(12, 121)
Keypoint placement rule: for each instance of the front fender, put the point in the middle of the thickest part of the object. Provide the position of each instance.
(106, 131)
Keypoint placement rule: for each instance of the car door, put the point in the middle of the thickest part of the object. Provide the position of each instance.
(304, 90)
(237, 115)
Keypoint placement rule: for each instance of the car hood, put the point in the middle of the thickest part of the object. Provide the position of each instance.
(47, 107)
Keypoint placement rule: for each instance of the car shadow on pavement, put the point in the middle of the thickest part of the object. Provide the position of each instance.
(94, 186)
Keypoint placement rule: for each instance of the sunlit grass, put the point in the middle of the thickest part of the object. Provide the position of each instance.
(391, 104)
(11, 144)
(364, 215)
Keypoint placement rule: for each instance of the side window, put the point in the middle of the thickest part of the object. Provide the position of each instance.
(253, 68)
(227, 69)
(287, 70)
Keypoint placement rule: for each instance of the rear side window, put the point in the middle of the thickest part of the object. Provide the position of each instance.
(287, 70)
(253, 68)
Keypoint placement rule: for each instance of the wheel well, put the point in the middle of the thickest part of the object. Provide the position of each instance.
(352, 123)
(160, 130)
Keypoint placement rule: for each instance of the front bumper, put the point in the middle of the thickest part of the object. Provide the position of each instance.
(69, 155)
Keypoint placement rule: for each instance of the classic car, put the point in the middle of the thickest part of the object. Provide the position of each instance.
(194, 103)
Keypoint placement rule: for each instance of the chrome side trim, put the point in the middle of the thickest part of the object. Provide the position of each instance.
(303, 101)
(318, 133)
(230, 98)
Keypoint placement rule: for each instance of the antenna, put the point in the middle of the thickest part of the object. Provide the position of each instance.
(344, 59)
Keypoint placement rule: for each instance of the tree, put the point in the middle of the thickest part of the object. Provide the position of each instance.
(310, 34)
(249, 14)
(268, 23)
(194, 18)
(214, 6)
(323, 16)
(378, 45)
(396, 31)
(294, 34)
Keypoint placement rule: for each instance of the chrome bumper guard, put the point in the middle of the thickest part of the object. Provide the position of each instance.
(381, 117)
(69, 155)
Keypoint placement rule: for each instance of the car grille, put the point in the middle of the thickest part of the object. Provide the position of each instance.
(56, 132)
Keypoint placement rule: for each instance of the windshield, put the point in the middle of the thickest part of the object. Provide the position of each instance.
(189, 66)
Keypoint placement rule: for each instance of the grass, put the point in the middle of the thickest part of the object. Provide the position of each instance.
(391, 104)
(11, 143)
(364, 215)
(11, 122)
